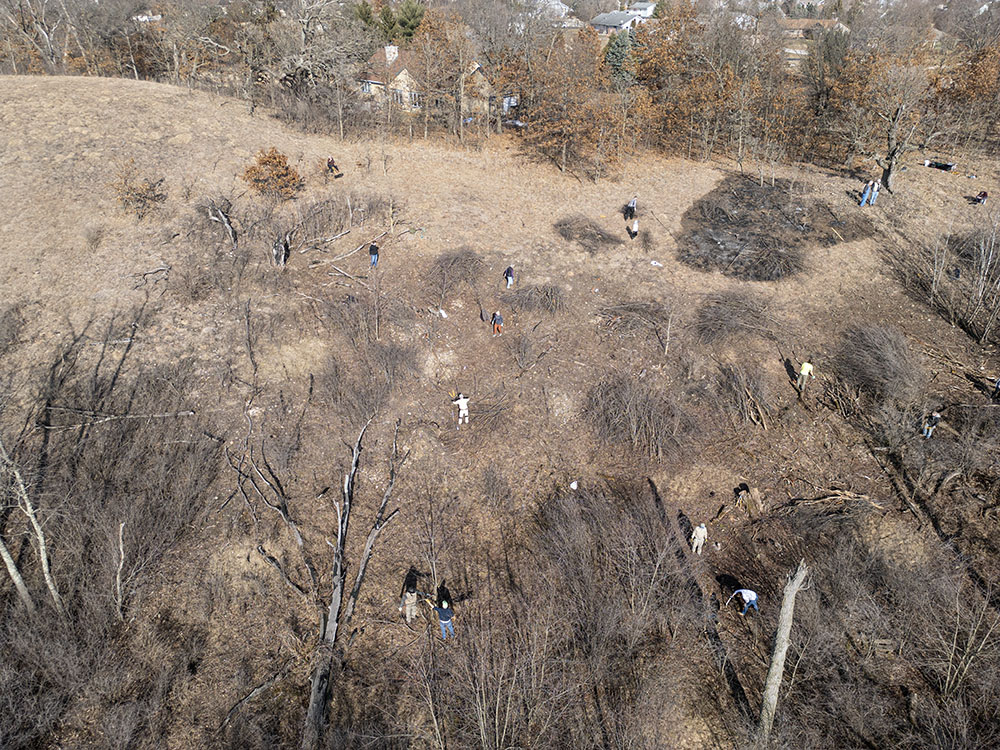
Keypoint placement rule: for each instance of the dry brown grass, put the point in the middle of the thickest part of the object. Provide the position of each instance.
(527, 423)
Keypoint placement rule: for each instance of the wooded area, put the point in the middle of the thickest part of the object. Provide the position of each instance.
(697, 81)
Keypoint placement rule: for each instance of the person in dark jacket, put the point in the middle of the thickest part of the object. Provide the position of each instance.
(373, 254)
(445, 616)
(409, 596)
(508, 276)
(930, 423)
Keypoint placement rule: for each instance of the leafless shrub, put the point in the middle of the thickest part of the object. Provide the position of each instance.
(958, 275)
(450, 270)
(496, 489)
(541, 297)
(586, 233)
(487, 413)
(743, 389)
(367, 316)
(655, 319)
(768, 260)
(526, 350)
(647, 242)
(726, 315)
(193, 284)
(92, 235)
(137, 194)
(11, 322)
(361, 386)
(878, 361)
(376, 208)
(625, 410)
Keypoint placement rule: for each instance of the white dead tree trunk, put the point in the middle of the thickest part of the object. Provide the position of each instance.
(781, 641)
(28, 508)
(220, 214)
(15, 576)
(328, 656)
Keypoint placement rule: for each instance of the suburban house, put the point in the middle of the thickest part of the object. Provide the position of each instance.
(801, 33)
(643, 10)
(618, 20)
(391, 76)
(387, 76)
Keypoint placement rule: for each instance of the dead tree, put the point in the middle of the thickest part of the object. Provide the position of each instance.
(219, 212)
(781, 640)
(281, 249)
(28, 508)
(328, 657)
(15, 576)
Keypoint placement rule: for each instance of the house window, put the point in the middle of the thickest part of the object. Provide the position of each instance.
(397, 97)
(366, 87)
(415, 99)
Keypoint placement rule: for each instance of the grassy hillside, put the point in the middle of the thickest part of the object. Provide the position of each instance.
(158, 377)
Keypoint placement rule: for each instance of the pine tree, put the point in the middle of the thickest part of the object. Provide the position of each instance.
(408, 17)
(617, 56)
(364, 13)
(387, 24)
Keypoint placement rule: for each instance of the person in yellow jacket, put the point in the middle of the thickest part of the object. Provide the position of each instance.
(805, 374)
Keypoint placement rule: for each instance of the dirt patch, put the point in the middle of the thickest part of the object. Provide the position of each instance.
(761, 233)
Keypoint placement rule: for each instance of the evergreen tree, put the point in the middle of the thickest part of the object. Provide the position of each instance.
(363, 12)
(408, 17)
(618, 57)
(387, 24)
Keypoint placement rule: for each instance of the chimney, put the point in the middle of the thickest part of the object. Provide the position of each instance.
(391, 53)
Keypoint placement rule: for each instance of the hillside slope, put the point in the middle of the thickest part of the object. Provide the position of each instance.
(290, 359)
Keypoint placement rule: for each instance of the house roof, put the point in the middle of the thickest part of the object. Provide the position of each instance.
(641, 6)
(615, 18)
(379, 70)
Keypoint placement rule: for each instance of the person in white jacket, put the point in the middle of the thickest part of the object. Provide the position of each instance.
(462, 402)
(749, 600)
(698, 538)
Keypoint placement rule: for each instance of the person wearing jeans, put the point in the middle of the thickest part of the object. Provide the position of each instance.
(866, 192)
(749, 600)
(930, 423)
(445, 616)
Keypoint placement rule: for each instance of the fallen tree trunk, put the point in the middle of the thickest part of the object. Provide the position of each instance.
(782, 639)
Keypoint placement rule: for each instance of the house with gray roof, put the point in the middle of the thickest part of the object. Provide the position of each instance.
(643, 10)
(612, 23)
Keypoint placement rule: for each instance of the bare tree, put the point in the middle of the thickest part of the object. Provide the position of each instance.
(329, 653)
(781, 641)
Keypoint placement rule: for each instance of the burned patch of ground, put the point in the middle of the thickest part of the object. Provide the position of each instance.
(761, 232)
